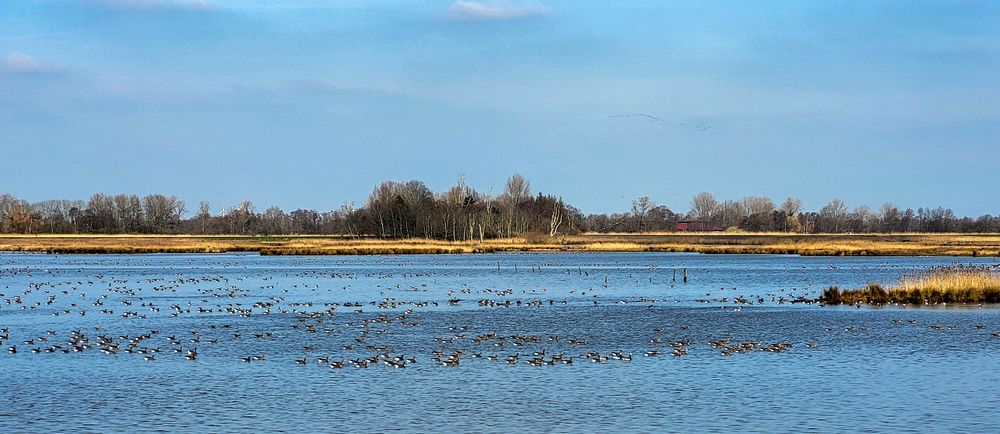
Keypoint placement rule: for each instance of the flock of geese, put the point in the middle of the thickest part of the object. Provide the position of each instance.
(450, 350)
(361, 334)
(80, 342)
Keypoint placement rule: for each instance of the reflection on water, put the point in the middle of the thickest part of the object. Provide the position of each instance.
(526, 342)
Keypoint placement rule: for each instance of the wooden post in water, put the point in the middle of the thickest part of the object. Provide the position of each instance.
(685, 275)
(675, 275)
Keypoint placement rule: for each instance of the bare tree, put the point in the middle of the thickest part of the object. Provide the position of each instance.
(275, 221)
(757, 205)
(833, 216)
(380, 205)
(729, 213)
(640, 207)
(204, 216)
(7, 202)
(864, 220)
(703, 206)
(57, 215)
(791, 206)
(100, 213)
(557, 218)
(418, 209)
(455, 202)
(128, 212)
(890, 217)
(20, 218)
(517, 188)
(163, 213)
(242, 218)
(517, 191)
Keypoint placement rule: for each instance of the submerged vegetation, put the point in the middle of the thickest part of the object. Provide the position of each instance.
(937, 286)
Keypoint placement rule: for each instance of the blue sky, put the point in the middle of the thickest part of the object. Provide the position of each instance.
(312, 103)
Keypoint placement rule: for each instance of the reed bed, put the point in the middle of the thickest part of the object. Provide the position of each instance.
(710, 243)
(946, 285)
(803, 244)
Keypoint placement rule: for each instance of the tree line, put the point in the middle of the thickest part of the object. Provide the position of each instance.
(762, 214)
(393, 210)
(411, 209)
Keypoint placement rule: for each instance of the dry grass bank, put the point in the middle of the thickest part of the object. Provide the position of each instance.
(770, 243)
(276, 245)
(806, 244)
(938, 286)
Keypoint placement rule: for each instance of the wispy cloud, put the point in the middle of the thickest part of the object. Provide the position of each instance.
(153, 5)
(21, 63)
(494, 10)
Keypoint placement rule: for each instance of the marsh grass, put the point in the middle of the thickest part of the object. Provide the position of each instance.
(953, 285)
(945, 285)
(905, 244)
(711, 243)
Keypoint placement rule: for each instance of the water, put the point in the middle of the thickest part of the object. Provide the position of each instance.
(896, 369)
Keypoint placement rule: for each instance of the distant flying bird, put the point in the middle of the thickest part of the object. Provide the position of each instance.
(661, 120)
(639, 115)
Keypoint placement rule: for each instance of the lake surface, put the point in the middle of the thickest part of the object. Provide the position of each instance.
(257, 326)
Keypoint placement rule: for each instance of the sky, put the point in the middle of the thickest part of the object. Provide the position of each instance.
(310, 104)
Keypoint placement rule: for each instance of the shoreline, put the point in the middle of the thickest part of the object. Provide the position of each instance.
(986, 245)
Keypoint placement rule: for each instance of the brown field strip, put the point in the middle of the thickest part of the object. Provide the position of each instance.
(811, 245)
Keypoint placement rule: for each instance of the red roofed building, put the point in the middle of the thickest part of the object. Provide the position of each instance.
(696, 226)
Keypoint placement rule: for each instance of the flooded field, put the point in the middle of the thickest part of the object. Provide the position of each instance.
(565, 342)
